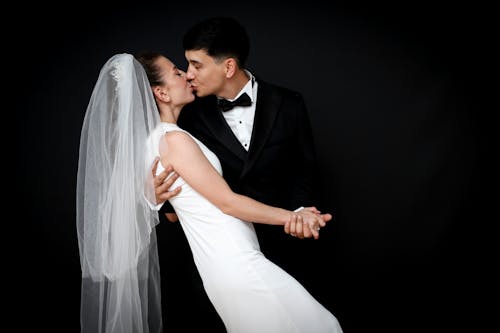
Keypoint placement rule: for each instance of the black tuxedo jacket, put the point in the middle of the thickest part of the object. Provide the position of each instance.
(280, 165)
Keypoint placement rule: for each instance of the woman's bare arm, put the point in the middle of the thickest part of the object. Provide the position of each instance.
(183, 153)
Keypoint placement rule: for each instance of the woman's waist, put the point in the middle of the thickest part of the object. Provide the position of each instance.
(220, 238)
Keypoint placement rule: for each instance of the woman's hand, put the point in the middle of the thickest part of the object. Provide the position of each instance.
(306, 223)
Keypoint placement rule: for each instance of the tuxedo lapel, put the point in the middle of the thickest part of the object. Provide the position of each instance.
(265, 115)
(216, 123)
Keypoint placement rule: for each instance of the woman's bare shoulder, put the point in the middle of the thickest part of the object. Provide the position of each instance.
(175, 139)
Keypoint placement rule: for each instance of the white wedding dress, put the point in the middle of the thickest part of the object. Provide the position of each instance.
(250, 293)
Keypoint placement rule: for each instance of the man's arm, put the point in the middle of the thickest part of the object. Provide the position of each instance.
(304, 189)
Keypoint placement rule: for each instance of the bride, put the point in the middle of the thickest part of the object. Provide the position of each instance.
(129, 121)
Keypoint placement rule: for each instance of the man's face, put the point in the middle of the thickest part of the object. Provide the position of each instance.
(206, 74)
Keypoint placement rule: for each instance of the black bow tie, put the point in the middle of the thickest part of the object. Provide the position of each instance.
(225, 105)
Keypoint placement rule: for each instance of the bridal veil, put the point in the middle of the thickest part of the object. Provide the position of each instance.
(115, 225)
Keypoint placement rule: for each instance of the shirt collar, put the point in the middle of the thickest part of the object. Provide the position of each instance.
(248, 87)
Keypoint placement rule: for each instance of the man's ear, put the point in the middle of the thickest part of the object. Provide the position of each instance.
(161, 94)
(230, 67)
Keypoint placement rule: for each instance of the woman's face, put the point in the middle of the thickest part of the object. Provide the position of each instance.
(174, 80)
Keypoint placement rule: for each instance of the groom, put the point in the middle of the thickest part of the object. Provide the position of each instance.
(260, 132)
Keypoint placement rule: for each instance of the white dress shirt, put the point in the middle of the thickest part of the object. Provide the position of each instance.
(240, 118)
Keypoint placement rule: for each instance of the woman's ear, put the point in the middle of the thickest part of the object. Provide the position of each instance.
(161, 94)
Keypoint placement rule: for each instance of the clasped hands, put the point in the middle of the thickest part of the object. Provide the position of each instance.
(306, 223)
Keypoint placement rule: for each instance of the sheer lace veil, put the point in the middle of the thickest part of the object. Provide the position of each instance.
(115, 225)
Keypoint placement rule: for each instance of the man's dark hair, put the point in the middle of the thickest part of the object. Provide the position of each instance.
(220, 37)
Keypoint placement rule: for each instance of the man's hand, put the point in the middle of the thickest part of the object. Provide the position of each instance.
(171, 217)
(162, 184)
(306, 223)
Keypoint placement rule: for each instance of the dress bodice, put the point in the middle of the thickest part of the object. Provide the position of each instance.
(161, 129)
(201, 220)
(250, 293)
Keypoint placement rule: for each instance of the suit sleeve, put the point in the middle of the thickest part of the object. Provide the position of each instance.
(167, 208)
(306, 168)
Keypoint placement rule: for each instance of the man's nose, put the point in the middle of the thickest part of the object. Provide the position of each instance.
(189, 74)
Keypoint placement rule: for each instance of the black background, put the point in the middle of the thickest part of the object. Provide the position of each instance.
(400, 136)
